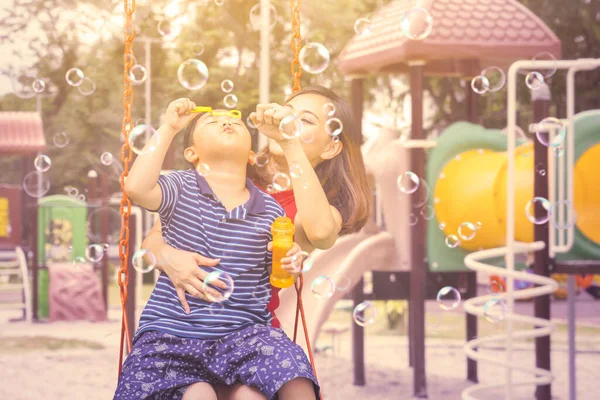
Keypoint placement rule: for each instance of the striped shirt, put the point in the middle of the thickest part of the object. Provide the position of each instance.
(193, 219)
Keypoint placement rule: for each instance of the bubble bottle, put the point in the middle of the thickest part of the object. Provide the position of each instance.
(283, 241)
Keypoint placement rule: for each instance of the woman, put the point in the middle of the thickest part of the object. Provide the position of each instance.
(331, 199)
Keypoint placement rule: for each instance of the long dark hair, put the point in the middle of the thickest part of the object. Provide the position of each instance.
(343, 178)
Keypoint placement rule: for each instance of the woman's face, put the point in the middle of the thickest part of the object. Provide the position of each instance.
(314, 139)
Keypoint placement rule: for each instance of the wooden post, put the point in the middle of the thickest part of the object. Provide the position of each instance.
(470, 319)
(358, 332)
(541, 304)
(417, 239)
(30, 210)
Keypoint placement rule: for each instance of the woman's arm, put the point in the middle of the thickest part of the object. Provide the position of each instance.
(318, 221)
(155, 242)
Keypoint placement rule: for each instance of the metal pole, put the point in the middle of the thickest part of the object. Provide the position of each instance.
(541, 105)
(264, 84)
(147, 218)
(571, 318)
(418, 239)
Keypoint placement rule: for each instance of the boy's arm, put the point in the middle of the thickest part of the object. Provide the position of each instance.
(142, 182)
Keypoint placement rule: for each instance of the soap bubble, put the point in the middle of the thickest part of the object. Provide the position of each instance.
(249, 123)
(323, 287)
(314, 58)
(210, 285)
(261, 160)
(219, 2)
(539, 168)
(106, 158)
(564, 207)
(543, 216)
(168, 29)
(545, 127)
(36, 184)
(442, 226)
(329, 109)
(281, 181)
(94, 253)
(216, 309)
(104, 218)
(494, 310)
(87, 87)
(495, 286)
(78, 263)
(480, 84)
(448, 298)
(452, 241)
(417, 23)
(408, 182)
(362, 26)
(143, 139)
(534, 80)
(342, 283)
(255, 16)
(230, 100)
(203, 169)
(364, 314)
(143, 261)
(495, 78)
(295, 170)
(302, 261)
(428, 212)
(60, 140)
(42, 163)
(558, 151)
(334, 127)
(291, 127)
(197, 49)
(545, 56)
(74, 77)
(227, 86)
(138, 74)
(192, 74)
(467, 230)
(38, 85)
(81, 197)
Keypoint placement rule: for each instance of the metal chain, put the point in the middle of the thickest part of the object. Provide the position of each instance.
(296, 44)
(126, 156)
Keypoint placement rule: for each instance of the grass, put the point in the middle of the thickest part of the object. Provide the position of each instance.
(21, 344)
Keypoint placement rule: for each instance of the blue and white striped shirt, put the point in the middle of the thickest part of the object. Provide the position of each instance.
(193, 219)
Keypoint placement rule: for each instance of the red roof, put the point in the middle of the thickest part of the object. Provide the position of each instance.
(21, 132)
(467, 35)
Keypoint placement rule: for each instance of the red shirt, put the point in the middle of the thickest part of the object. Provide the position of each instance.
(287, 201)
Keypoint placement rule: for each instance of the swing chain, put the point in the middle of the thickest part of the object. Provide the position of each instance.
(296, 44)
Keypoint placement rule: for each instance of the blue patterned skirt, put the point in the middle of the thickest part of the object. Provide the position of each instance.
(162, 366)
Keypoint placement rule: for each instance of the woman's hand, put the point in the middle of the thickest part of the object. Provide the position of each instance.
(179, 114)
(292, 262)
(267, 119)
(182, 268)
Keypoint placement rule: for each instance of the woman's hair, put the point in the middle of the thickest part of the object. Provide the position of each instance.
(343, 177)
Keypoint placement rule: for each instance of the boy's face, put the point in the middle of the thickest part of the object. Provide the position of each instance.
(221, 137)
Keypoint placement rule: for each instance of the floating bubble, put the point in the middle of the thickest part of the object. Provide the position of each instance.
(448, 298)
(412, 219)
(219, 2)
(42, 163)
(87, 87)
(544, 207)
(478, 225)
(203, 169)
(545, 56)
(197, 49)
(539, 168)
(143, 261)
(544, 129)
(255, 16)
(106, 246)
(60, 140)
(417, 23)
(143, 139)
(480, 84)
(249, 123)
(323, 287)
(434, 265)
(210, 282)
(74, 77)
(216, 309)
(305, 185)
(104, 220)
(408, 182)
(558, 151)
(192, 74)
(428, 212)
(36, 184)
(38, 85)
(168, 29)
(261, 160)
(467, 230)
(230, 100)
(314, 58)
(307, 135)
(329, 109)
(452, 241)
(442, 226)
(334, 127)
(81, 197)
(138, 74)
(291, 127)
(295, 170)
(534, 80)
(342, 283)
(495, 78)
(270, 189)
(494, 310)
(78, 263)
(281, 181)
(71, 191)
(362, 26)
(302, 262)
(227, 86)
(364, 314)
(94, 253)
(565, 209)
(106, 158)
(495, 287)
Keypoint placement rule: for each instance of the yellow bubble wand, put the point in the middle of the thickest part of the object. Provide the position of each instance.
(231, 113)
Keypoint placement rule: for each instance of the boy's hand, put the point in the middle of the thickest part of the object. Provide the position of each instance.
(288, 263)
(178, 114)
(267, 119)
